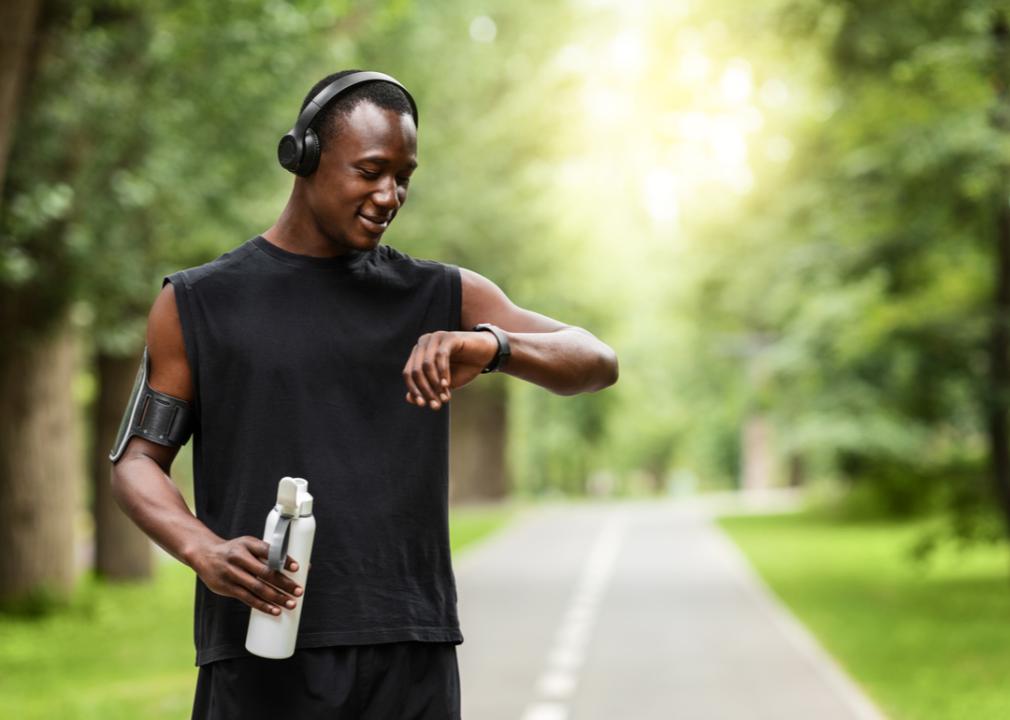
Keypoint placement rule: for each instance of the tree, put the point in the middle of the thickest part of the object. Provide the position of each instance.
(135, 166)
(17, 30)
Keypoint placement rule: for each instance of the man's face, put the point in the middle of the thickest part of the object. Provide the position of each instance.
(362, 178)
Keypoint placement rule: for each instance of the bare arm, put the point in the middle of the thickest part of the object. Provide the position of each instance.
(144, 489)
(562, 358)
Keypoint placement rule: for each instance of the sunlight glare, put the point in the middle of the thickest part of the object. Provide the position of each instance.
(627, 52)
(693, 67)
(727, 143)
(779, 149)
(660, 194)
(606, 105)
(774, 93)
(694, 125)
(573, 58)
(736, 84)
(483, 29)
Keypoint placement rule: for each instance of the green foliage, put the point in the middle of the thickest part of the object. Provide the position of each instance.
(153, 126)
(807, 239)
(862, 309)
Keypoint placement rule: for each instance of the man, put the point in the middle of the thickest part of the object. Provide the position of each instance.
(315, 351)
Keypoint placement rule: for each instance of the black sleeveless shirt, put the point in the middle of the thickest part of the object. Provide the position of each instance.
(296, 364)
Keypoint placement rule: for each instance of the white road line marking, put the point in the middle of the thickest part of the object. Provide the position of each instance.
(546, 711)
(566, 658)
(560, 678)
(557, 684)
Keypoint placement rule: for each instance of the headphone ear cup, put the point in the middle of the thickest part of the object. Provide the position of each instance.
(310, 154)
(287, 153)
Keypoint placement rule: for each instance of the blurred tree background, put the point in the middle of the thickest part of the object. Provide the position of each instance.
(789, 218)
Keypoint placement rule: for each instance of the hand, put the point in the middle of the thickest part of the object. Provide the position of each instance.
(237, 568)
(443, 360)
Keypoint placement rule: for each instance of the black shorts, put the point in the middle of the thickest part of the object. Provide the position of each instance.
(393, 681)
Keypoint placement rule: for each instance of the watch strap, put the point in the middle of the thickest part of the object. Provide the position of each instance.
(504, 349)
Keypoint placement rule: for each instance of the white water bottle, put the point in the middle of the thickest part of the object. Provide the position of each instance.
(290, 529)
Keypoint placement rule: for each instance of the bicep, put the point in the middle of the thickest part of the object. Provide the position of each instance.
(169, 371)
(483, 301)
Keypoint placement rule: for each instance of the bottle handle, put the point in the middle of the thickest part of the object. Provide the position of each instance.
(279, 543)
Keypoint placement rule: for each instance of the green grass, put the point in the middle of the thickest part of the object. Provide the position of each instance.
(125, 652)
(926, 641)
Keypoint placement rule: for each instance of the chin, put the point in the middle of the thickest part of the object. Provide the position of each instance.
(367, 243)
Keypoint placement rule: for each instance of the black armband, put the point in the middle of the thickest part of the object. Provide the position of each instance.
(153, 415)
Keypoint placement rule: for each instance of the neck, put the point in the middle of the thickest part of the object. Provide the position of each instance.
(297, 231)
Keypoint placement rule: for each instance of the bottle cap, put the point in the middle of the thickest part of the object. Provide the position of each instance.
(287, 497)
(304, 498)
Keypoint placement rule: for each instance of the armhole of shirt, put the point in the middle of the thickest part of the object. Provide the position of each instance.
(183, 302)
(455, 297)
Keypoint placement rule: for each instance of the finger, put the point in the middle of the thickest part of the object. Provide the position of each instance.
(263, 590)
(291, 564)
(444, 373)
(258, 548)
(438, 346)
(413, 392)
(254, 602)
(282, 582)
(420, 376)
(261, 571)
(428, 394)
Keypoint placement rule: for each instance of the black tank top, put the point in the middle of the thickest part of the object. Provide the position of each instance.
(296, 364)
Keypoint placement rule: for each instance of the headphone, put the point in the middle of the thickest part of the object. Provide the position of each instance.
(298, 151)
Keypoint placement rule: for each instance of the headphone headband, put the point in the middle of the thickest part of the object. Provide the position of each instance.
(337, 87)
(298, 150)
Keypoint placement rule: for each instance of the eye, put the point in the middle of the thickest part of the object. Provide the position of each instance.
(405, 181)
(369, 174)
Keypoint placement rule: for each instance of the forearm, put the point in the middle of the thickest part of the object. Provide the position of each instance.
(149, 497)
(566, 361)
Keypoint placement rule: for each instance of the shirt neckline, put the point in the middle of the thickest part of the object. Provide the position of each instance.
(337, 262)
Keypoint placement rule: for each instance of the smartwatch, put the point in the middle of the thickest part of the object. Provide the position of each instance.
(504, 350)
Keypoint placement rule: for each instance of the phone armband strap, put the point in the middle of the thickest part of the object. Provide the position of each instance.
(153, 415)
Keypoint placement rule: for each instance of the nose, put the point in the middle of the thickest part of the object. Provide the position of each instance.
(387, 194)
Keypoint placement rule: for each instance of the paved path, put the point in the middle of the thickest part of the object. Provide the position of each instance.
(634, 611)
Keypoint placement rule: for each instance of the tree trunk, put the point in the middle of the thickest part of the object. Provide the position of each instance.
(122, 550)
(758, 469)
(999, 338)
(477, 447)
(999, 439)
(797, 470)
(40, 466)
(17, 26)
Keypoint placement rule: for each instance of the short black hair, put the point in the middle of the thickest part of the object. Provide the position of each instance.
(383, 94)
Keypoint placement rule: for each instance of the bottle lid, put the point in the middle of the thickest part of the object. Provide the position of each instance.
(304, 498)
(287, 497)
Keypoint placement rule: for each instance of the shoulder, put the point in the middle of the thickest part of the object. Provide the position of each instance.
(389, 254)
(229, 262)
(478, 289)
(413, 269)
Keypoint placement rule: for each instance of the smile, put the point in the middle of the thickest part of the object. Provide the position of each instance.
(373, 225)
